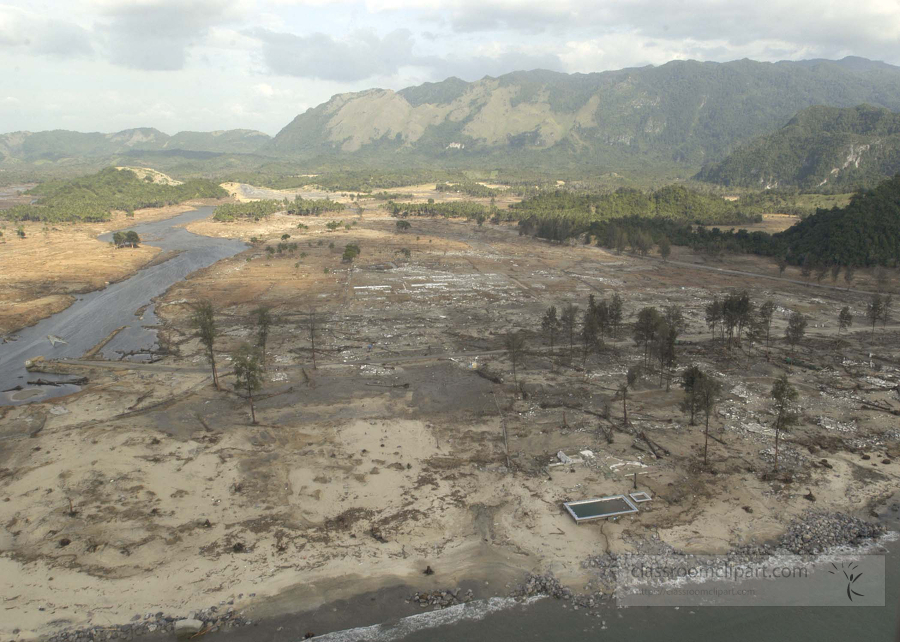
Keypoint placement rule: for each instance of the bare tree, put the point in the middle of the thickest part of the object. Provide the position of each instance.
(569, 320)
(204, 320)
(886, 305)
(263, 316)
(795, 330)
(550, 325)
(881, 278)
(845, 318)
(248, 373)
(784, 396)
(616, 312)
(631, 378)
(782, 265)
(765, 318)
(709, 394)
(312, 327)
(849, 275)
(875, 310)
(515, 351)
(691, 380)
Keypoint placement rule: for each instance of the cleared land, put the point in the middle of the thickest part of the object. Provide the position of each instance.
(390, 456)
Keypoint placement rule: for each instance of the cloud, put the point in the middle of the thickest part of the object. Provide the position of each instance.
(28, 32)
(497, 63)
(155, 35)
(363, 55)
(828, 26)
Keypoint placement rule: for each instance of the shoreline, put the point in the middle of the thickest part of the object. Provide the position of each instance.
(385, 608)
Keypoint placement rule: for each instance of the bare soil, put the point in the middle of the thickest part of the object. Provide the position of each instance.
(390, 455)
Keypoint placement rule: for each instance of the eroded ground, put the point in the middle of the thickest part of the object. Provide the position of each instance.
(389, 456)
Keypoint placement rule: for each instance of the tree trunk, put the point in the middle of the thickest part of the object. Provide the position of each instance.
(625, 405)
(776, 446)
(252, 409)
(706, 442)
(215, 372)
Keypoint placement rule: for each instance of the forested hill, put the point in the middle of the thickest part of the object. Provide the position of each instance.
(92, 198)
(62, 144)
(821, 148)
(866, 232)
(684, 111)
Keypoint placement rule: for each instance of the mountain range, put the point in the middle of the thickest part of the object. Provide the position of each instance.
(684, 111)
(62, 144)
(681, 114)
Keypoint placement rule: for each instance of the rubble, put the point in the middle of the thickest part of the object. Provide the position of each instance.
(207, 620)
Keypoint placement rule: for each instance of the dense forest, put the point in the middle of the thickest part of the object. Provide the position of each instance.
(260, 209)
(453, 209)
(469, 188)
(865, 233)
(92, 198)
(559, 215)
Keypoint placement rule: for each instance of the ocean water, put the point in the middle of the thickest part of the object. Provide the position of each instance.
(501, 620)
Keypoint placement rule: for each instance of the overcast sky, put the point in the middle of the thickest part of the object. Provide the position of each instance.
(107, 65)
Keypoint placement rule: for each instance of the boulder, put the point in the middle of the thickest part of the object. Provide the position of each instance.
(188, 627)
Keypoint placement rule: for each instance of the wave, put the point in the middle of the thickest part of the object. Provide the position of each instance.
(471, 611)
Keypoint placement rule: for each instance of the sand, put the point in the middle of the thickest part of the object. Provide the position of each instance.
(389, 457)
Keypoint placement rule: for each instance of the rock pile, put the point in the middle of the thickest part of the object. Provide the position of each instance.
(212, 619)
(441, 599)
(816, 531)
(541, 585)
(811, 534)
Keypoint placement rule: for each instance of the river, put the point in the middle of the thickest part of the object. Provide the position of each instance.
(94, 316)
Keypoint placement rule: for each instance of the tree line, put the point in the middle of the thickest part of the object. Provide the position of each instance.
(93, 198)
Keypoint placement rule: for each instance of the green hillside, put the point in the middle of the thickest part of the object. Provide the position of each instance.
(866, 232)
(92, 198)
(821, 148)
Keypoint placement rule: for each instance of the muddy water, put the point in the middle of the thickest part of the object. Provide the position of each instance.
(94, 316)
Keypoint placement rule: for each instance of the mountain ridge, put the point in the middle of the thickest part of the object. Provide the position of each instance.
(823, 148)
(58, 144)
(681, 115)
(683, 111)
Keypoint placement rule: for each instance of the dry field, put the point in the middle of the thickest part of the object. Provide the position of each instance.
(389, 456)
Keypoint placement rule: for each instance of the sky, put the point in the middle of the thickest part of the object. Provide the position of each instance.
(201, 65)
